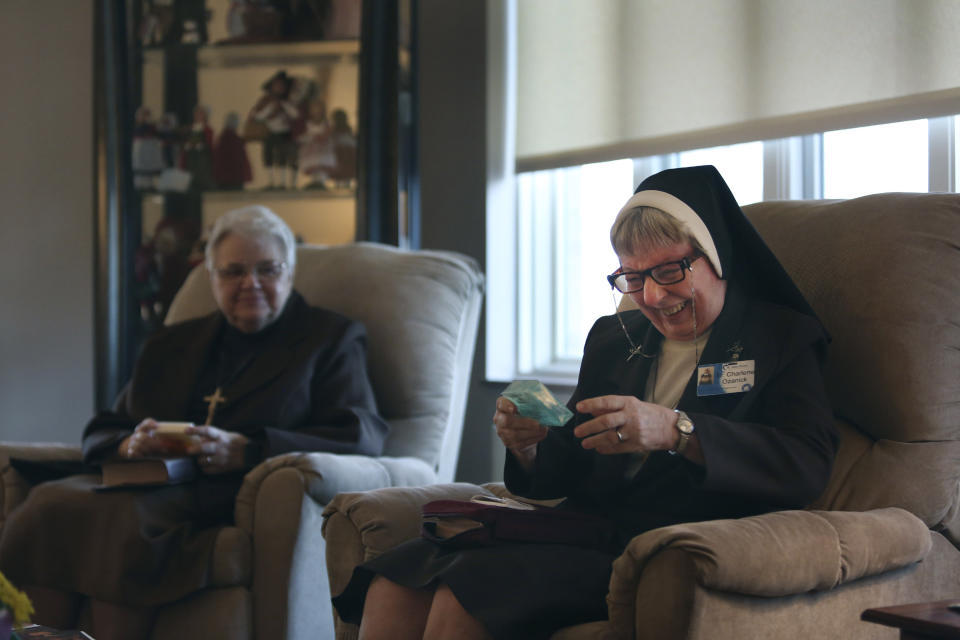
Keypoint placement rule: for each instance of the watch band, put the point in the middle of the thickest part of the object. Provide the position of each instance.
(685, 428)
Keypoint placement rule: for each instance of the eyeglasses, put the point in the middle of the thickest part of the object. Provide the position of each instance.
(265, 271)
(666, 273)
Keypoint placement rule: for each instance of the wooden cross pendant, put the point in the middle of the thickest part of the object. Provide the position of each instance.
(213, 400)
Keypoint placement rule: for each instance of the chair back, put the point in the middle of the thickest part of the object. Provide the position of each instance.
(881, 271)
(421, 310)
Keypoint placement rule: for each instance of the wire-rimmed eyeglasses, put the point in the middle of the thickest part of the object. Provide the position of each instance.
(264, 271)
(662, 274)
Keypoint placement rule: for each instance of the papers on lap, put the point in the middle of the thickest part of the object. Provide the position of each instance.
(146, 472)
(534, 400)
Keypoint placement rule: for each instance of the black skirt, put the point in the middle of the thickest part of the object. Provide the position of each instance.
(517, 590)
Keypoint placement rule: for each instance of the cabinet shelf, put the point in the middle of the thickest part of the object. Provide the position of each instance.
(251, 195)
(220, 56)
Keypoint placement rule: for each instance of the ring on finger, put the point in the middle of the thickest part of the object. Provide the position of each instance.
(619, 435)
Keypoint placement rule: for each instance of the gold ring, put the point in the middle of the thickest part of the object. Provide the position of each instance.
(619, 435)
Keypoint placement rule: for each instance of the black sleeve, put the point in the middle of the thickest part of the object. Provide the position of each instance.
(783, 455)
(343, 416)
(561, 461)
(106, 430)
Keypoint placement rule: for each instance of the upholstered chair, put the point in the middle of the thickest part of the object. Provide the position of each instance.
(881, 271)
(421, 310)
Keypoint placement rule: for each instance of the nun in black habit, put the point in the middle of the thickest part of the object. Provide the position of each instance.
(653, 440)
(263, 375)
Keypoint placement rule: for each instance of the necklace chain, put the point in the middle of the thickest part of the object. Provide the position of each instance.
(636, 350)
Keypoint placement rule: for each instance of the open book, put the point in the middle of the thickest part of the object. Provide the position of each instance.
(147, 471)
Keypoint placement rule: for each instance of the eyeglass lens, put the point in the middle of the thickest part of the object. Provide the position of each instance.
(263, 271)
(632, 281)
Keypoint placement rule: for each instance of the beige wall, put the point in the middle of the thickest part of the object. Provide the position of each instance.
(46, 242)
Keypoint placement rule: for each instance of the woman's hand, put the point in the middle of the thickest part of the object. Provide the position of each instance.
(144, 442)
(217, 451)
(520, 435)
(642, 426)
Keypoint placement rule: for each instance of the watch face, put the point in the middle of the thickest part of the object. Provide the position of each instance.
(684, 424)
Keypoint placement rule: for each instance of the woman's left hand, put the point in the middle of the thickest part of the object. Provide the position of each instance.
(642, 426)
(217, 451)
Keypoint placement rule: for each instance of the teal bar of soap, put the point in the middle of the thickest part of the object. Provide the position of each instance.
(534, 400)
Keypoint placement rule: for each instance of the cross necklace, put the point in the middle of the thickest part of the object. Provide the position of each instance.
(217, 398)
(212, 401)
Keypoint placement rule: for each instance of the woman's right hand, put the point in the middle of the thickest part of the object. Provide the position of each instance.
(520, 435)
(142, 442)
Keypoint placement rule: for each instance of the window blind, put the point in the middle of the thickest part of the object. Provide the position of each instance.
(604, 79)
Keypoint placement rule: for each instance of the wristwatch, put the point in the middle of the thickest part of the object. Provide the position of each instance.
(685, 427)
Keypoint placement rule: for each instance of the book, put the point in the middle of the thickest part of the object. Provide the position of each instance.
(32, 631)
(147, 471)
(497, 501)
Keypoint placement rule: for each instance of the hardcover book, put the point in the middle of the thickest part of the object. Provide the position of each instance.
(148, 471)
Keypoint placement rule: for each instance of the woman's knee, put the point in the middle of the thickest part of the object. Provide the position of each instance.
(448, 618)
(394, 611)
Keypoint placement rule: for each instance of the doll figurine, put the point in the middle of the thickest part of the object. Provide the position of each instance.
(169, 131)
(147, 152)
(344, 149)
(231, 167)
(278, 114)
(197, 154)
(316, 155)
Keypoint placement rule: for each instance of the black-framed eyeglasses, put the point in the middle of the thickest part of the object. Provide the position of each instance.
(666, 273)
(265, 271)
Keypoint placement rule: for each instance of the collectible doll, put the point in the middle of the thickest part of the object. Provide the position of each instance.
(197, 154)
(277, 113)
(147, 152)
(317, 157)
(345, 150)
(231, 167)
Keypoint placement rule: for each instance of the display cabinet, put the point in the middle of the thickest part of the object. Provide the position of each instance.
(306, 107)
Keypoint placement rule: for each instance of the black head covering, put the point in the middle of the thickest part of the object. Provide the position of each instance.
(744, 258)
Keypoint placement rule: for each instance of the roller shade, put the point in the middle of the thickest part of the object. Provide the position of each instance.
(605, 79)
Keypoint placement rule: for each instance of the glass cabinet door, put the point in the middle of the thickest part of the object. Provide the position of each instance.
(207, 106)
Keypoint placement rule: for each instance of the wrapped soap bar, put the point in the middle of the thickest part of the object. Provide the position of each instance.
(534, 400)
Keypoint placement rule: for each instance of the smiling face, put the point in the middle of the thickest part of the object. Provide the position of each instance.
(669, 307)
(249, 301)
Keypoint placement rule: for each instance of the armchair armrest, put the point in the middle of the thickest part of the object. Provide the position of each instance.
(361, 526)
(325, 475)
(774, 554)
(13, 486)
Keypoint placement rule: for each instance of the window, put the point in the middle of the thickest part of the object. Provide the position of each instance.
(564, 217)
(877, 159)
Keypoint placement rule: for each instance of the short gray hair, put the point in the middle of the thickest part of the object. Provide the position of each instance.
(642, 228)
(252, 221)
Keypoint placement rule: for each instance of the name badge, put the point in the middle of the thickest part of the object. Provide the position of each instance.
(725, 377)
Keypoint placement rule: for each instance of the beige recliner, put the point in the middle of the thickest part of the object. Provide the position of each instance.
(883, 273)
(421, 310)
